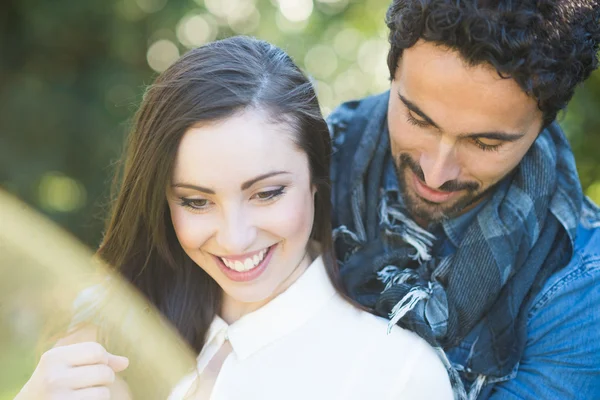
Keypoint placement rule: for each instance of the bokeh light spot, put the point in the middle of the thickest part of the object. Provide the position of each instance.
(285, 25)
(236, 9)
(161, 54)
(195, 30)
(351, 84)
(60, 193)
(245, 22)
(296, 10)
(321, 61)
(372, 54)
(346, 43)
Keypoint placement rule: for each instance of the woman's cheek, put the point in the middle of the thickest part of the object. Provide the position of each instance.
(191, 229)
(292, 218)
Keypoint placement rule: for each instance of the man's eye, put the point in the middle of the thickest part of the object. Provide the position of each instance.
(417, 122)
(486, 145)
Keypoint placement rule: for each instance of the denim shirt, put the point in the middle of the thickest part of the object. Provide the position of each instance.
(562, 355)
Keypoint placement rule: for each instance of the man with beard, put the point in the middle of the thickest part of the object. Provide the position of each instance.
(458, 210)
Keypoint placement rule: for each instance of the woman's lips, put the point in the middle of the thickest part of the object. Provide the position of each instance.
(245, 276)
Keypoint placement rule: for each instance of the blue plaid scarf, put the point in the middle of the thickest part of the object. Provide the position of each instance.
(523, 234)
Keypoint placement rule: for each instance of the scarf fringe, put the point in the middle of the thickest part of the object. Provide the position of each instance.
(343, 230)
(408, 302)
(391, 275)
(408, 230)
(458, 388)
(476, 387)
(387, 273)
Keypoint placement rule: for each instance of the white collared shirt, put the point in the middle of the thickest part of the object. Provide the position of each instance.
(309, 343)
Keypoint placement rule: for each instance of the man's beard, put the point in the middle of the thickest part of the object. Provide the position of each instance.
(422, 209)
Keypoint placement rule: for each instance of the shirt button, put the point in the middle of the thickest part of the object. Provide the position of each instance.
(470, 375)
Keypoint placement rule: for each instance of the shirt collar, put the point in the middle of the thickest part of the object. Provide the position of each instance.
(282, 315)
(456, 228)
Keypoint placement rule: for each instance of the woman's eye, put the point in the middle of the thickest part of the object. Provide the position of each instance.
(194, 204)
(270, 194)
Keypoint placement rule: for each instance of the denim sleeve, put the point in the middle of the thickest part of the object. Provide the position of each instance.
(562, 355)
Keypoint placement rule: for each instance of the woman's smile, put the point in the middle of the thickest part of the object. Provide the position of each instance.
(246, 267)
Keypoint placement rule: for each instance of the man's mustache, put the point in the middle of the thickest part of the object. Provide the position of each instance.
(405, 160)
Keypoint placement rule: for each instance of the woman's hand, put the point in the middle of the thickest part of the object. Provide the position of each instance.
(77, 371)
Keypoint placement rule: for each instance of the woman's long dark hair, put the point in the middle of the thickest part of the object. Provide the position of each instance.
(209, 83)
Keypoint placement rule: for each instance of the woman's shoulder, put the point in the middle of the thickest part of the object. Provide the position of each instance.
(369, 325)
(409, 360)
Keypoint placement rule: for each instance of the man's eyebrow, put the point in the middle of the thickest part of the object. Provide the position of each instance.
(244, 185)
(414, 108)
(502, 136)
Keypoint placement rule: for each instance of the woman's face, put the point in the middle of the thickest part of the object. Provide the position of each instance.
(242, 204)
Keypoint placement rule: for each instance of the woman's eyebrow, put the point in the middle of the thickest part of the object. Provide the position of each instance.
(252, 181)
(244, 185)
(193, 187)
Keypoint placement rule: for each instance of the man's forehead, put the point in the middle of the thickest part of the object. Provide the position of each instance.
(449, 91)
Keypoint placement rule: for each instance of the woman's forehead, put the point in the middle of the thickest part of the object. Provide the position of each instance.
(237, 149)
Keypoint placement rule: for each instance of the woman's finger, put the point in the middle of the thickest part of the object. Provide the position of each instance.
(93, 393)
(90, 375)
(86, 353)
(117, 363)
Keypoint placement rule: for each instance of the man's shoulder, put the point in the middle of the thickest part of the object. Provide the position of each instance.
(583, 270)
(349, 110)
(562, 354)
(587, 240)
(347, 122)
(590, 215)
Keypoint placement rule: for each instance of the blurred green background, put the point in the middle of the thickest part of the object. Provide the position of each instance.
(73, 71)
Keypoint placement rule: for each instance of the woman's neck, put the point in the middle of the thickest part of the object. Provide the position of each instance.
(232, 309)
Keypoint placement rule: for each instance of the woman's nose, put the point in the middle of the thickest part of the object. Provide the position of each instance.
(237, 232)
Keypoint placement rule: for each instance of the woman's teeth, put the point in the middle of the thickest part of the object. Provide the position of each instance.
(246, 265)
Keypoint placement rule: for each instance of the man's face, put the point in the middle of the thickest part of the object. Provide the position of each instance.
(455, 130)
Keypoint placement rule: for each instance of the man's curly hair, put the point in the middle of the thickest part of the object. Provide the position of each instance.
(547, 46)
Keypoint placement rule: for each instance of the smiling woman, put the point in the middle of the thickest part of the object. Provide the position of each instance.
(222, 221)
(247, 226)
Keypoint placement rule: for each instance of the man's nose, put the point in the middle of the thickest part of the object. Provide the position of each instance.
(440, 164)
